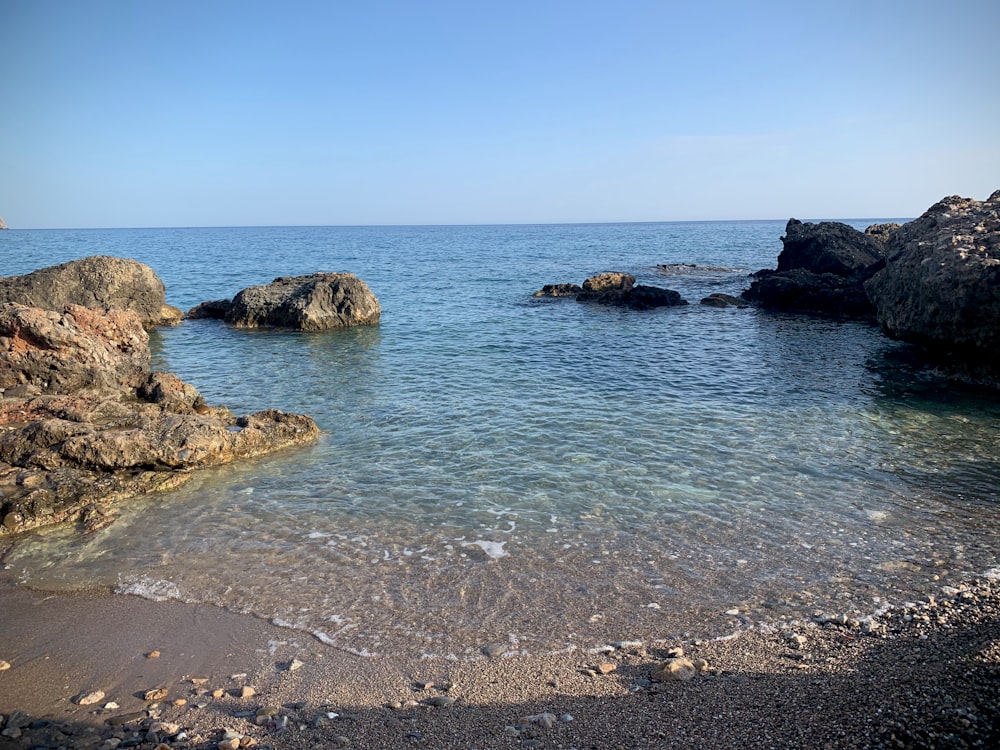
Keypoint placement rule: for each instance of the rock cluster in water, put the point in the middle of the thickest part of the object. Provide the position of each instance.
(84, 421)
(617, 290)
(933, 282)
(309, 303)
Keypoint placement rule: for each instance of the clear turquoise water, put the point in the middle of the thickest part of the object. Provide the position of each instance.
(538, 472)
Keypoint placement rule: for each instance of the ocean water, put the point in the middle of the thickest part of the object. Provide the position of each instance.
(539, 473)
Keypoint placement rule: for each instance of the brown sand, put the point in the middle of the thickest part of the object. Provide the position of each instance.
(933, 681)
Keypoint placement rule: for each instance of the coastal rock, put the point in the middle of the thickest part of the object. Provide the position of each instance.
(718, 299)
(100, 281)
(799, 290)
(84, 422)
(211, 310)
(881, 233)
(615, 289)
(940, 288)
(559, 290)
(821, 270)
(310, 303)
(49, 352)
(827, 247)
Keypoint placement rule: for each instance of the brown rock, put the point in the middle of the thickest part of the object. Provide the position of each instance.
(674, 670)
(99, 282)
(309, 303)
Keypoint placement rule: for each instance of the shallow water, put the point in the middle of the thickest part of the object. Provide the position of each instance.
(541, 473)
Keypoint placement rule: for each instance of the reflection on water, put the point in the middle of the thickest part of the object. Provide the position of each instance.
(547, 473)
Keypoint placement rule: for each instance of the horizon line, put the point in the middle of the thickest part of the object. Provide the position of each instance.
(455, 224)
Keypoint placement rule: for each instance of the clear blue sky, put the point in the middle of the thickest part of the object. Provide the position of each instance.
(176, 113)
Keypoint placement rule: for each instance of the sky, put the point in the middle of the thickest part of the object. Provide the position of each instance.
(211, 113)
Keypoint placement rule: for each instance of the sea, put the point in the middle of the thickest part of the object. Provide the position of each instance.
(528, 475)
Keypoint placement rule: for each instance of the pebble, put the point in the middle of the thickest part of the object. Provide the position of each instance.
(218, 693)
(494, 649)
(199, 681)
(247, 692)
(153, 655)
(4, 665)
(440, 701)
(674, 670)
(606, 667)
(231, 744)
(88, 699)
(675, 653)
(546, 720)
(295, 664)
(796, 641)
(156, 694)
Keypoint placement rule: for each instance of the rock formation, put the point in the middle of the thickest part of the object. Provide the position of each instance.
(615, 289)
(99, 281)
(308, 303)
(940, 287)
(84, 423)
(821, 270)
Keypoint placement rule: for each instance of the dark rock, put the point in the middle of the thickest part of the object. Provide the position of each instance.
(558, 290)
(827, 247)
(821, 270)
(881, 233)
(940, 288)
(824, 294)
(644, 297)
(99, 281)
(718, 299)
(212, 310)
(615, 289)
(309, 303)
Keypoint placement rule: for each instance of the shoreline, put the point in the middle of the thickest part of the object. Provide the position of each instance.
(931, 679)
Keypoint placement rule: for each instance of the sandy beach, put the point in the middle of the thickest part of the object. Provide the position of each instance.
(181, 676)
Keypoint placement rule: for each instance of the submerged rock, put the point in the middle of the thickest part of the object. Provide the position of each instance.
(940, 288)
(309, 303)
(101, 282)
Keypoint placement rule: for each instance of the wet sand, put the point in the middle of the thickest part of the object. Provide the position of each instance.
(931, 680)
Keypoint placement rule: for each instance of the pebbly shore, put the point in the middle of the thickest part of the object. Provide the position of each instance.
(96, 671)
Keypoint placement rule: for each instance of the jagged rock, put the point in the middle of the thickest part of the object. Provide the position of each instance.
(881, 233)
(99, 281)
(76, 350)
(821, 270)
(804, 291)
(940, 287)
(558, 290)
(827, 247)
(84, 423)
(309, 303)
(718, 299)
(617, 289)
(212, 310)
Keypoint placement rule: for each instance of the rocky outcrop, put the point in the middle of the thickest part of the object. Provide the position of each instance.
(821, 270)
(99, 281)
(827, 247)
(309, 303)
(84, 422)
(615, 289)
(211, 310)
(77, 350)
(940, 287)
(718, 299)
(559, 290)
